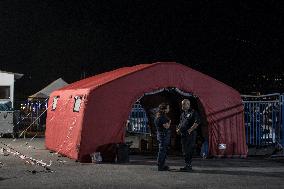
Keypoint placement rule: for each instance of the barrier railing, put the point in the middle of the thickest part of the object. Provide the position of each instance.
(138, 121)
(264, 119)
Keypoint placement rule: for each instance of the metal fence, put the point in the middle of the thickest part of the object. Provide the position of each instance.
(32, 115)
(264, 119)
(138, 121)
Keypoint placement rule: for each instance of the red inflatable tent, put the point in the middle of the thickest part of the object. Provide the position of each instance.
(92, 112)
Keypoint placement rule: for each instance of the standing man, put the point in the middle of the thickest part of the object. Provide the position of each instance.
(162, 123)
(189, 121)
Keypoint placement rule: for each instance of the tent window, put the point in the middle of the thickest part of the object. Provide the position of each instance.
(4, 92)
(54, 103)
(77, 104)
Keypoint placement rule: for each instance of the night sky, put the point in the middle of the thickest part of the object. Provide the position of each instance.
(239, 44)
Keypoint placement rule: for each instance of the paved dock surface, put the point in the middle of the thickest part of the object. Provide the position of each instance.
(141, 172)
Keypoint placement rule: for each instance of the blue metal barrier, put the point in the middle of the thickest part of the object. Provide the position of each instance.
(264, 117)
(138, 121)
(31, 112)
(282, 119)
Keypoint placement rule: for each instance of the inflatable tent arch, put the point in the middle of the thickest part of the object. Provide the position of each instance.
(92, 112)
(173, 96)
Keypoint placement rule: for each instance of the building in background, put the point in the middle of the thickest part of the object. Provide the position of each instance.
(7, 80)
(7, 114)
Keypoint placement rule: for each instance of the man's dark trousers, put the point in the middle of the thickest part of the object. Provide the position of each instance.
(164, 141)
(188, 144)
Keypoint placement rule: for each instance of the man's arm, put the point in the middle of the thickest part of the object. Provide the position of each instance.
(195, 124)
(192, 128)
(178, 126)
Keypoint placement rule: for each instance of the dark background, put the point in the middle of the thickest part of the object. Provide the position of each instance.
(239, 43)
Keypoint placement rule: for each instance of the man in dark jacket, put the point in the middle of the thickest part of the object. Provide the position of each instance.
(189, 121)
(163, 123)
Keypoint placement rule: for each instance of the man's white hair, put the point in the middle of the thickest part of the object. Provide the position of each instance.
(185, 101)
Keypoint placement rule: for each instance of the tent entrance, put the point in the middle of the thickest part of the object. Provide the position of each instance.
(141, 129)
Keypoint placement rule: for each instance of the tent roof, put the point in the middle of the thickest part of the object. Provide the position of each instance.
(101, 79)
(106, 77)
(46, 91)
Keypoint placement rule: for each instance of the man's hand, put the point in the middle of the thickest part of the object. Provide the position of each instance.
(194, 126)
(178, 132)
(190, 130)
(178, 129)
(167, 125)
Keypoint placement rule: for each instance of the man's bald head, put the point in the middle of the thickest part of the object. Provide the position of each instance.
(185, 104)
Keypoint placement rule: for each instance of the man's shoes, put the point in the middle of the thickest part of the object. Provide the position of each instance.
(187, 168)
(164, 168)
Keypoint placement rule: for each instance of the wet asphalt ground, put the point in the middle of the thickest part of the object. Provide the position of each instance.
(141, 172)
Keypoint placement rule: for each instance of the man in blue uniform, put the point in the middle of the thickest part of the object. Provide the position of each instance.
(189, 121)
(162, 123)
